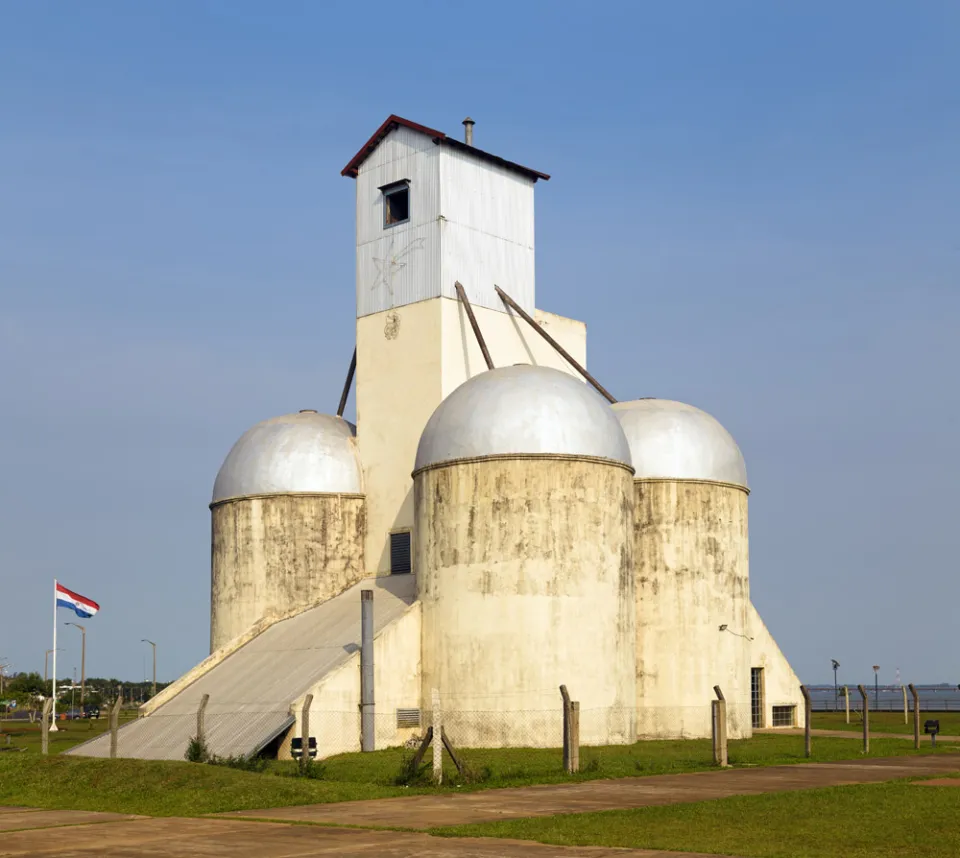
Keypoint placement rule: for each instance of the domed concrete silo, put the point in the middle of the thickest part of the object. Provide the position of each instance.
(288, 517)
(692, 569)
(523, 498)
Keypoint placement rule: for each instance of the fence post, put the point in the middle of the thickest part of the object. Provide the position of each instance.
(305, 733)
(45, 726)
(200, 712)
(574, 736)
(115, 726)
(437, 734)
(846, 701)
(566, 728)
(906, 719)
(916, 716)
(719, 711)
(866, 719)
(807, 713)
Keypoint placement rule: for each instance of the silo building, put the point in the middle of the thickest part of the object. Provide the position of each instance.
(516, 531)
(287, 521)
(523, 519)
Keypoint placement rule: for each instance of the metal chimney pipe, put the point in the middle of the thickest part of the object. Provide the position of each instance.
(468, 124)
(367, 710)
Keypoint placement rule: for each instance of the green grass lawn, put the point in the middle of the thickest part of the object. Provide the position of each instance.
(887, 722)
(158, 788)
(526, 766)
(174, 788)
(895, 820)
(23, 734)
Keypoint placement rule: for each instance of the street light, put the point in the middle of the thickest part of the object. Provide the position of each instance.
(144, 640)
(46, 656)
(876, 688)
(83, 659)
(836, 688)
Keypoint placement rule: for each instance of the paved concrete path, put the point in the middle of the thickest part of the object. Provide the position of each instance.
(431, 811)
(19, 818)
(221, 838)
(82, 834)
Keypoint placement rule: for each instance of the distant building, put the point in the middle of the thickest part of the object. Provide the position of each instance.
(518, 532)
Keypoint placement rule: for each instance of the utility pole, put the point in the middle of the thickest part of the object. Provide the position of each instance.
(46, 657)
(83, 659)
(144, 640)
(876, 687)
(836, 688)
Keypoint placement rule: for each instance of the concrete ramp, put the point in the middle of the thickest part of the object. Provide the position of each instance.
(253, 688)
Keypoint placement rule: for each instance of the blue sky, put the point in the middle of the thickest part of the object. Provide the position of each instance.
(754, 208)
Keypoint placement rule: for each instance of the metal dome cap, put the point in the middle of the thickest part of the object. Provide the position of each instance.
(674, 441)
(297, 453)
(522, 410)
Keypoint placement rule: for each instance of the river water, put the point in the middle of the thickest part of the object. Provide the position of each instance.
(933, 698)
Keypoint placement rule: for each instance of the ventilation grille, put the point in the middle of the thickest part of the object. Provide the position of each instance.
(408, 718)
(400, 553)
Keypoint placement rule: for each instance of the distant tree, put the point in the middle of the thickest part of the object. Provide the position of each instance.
(26, 691)
(25, 683)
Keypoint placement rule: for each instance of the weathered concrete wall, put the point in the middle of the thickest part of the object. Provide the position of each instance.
(279, 553)
(526, 580)
(398, 387)
(692, 576)
(408, 360)
(335, 711)
(781, 684)
(509, 339)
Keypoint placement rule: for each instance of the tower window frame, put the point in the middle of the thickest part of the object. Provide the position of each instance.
(396, 203)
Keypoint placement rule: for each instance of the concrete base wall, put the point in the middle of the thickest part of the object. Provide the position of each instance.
(781, 686)
(691, 578)
(526, 580)
(335, 711)
(280, 553)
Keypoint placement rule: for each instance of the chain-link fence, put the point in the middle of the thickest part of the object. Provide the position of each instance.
(480, 744)
(885, 698)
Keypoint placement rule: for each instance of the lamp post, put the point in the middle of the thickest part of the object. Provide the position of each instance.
(836, 688)
(144, 640)
(46, 657)
(876, 687)
(83, 659)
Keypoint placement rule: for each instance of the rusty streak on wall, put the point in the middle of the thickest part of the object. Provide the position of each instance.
(692, 576)
(525, 571)
(279, 553)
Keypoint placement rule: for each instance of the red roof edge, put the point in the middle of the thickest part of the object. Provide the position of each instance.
(394, 121)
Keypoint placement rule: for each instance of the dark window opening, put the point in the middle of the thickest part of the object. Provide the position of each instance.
(400, 553)
(756, 696)
(784, 716)
(396, 206)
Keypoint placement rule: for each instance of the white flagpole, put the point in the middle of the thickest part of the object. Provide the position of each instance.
(53, 725)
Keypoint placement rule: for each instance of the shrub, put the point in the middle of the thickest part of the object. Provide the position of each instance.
(197, 750)
(314, 770)
(245, 764)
